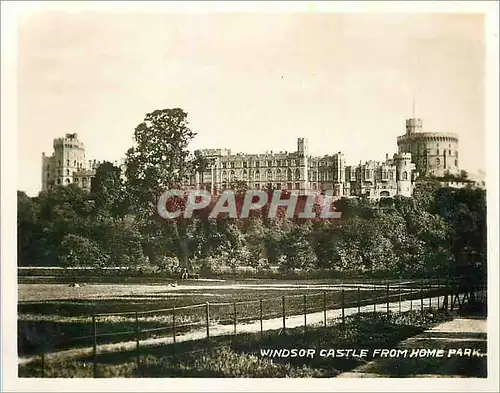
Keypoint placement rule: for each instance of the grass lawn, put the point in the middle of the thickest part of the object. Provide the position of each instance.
(56, 314)
(240, 355)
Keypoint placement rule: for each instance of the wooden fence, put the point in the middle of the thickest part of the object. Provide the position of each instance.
(314, 307)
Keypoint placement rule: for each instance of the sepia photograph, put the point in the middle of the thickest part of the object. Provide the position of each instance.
(249, 196)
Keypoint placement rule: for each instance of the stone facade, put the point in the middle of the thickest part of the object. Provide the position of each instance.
(301, 173)
(67, 164)
(433, 153)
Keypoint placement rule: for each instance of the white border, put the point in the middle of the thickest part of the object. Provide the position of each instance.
(10, 382)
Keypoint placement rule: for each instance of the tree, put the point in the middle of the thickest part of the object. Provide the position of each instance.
(79, 251)
(108, 191)
(297, 248)
(159, 161)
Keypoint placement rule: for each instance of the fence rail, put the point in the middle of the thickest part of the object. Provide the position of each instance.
(281, 312)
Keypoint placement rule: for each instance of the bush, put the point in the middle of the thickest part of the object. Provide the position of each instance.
(169, 265)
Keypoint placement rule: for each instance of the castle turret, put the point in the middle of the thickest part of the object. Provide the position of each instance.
(303, 152)
(404, 174)
(433, 153)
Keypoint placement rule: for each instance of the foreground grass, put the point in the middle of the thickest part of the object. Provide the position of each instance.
(67, 323)
(239, 356)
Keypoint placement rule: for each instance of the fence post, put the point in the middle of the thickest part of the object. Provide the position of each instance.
(324, 308)
(422, 295)
(438, 291)
(452, 295)
(358, 316)
(387, 296)
(343, 308)
(261, 329)
(94, 347)
(234, 315)
(137, 352)
(430, 295)
(173, 324)
(305, 311)
(399, 290)
(42, 362)
(284, 314)
(207, 315)
(359, 301)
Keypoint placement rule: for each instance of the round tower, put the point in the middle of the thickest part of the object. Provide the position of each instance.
(433, 153)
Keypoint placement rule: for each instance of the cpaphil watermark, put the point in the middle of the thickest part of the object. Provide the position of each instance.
(177, 203)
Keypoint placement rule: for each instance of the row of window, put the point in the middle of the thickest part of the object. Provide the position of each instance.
(438, 152)
(266, 186)
(438, 161)
(257, 164)
(368, 174)
(269, 175)
(68, 181)
(271, 163)
(68, 163)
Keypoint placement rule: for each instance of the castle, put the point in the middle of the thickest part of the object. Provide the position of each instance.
(301, 173)
(434, 153)
(419, 154)
(67, 164)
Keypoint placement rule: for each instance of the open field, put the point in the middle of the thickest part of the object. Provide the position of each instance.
(58, 316)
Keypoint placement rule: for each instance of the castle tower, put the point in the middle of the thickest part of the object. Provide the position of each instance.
(413, 125)
(433, 153)
(68, 157)
(303, 153)
(404, 174)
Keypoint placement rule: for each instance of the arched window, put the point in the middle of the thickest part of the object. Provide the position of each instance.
(67, 172)
(405, 176)
(438, 161)
(269, 175)
(224, 175)
(297, 174)
(257, 175)
(68, 181)
(278, 175)
(231, 175)
(245, 175)
(289, 174)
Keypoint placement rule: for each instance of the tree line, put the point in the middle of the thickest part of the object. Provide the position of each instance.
(438, 232)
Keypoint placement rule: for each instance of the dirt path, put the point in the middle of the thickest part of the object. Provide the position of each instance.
(316, 318)
(453, 337)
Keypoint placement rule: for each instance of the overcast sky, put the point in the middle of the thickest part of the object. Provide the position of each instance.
(249, 82)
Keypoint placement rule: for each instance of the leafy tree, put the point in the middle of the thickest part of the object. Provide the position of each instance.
(79, 251)
(159, 161)
(108, 191)
(297, 250)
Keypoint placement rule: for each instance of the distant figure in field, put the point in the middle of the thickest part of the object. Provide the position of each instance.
(185, 274)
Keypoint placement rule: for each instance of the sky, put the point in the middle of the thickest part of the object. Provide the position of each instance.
(250, 82)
